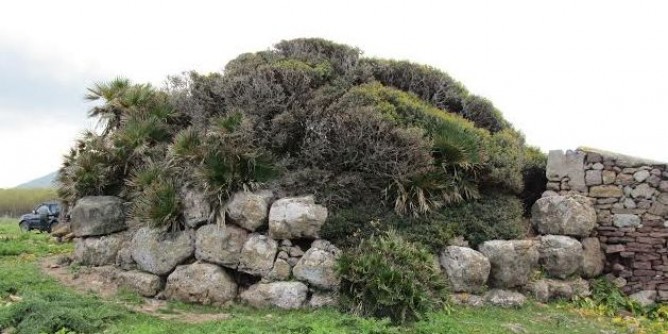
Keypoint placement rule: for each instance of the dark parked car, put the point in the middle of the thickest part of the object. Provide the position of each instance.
(43, 217)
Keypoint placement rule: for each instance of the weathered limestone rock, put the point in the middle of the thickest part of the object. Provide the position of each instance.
(280, 272)
(560, 256)
(296, 217)
(609, 176)
(124, 259)
(641, 175)
(571, 165)
(100, 251)
(318, 268)
(320, 299)
(593, 177)
(249, 210)
(504, 298)
(196, 209)
(658, 209)
(467, 299)
(220, 244)
(159, 252)
(466, 269)
(626, 220)
(593, 258)
(202, 283)
(285, 295)
(545, 290)
(605, 191)
(644, 298)
(571, 215)
(643, 190)
(512, 261)
(145, 284)
(257, 255)
(97, 215)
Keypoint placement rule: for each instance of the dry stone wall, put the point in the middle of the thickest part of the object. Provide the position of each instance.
(630, 198)
(258, 251)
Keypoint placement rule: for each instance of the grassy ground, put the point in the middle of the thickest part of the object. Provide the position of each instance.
(31, 302)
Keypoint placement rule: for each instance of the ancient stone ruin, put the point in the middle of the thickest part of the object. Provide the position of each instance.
(630, 198)
(257, 250)
(603, 214)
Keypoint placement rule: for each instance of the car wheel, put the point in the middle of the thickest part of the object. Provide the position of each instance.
(25, 227)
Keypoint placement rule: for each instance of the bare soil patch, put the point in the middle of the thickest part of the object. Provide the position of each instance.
(97, 280)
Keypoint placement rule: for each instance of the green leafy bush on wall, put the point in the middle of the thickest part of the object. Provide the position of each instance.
(387, 276)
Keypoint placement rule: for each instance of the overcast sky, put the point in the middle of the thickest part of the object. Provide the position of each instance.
(566, 73)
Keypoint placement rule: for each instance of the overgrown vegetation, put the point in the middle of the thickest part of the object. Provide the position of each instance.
(309, 116)
(15, 202)
(385, 145)
(387, 276)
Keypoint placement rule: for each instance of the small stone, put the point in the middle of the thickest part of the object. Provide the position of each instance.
(654, 181)
(663, 186)
(295, 251)
(641, 175)
(280, 272)
(605, 191)
(467, 299)
(593, 177)
(644, 298)
(504, 298)
(624, 179)
(608, 176)
(626, 220)
(283, 255)
(597, 166)
(629, 203)
(643, 191)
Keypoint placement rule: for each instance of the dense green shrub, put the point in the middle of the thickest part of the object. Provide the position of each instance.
(493, 216)
(387, 276)
(307, 117)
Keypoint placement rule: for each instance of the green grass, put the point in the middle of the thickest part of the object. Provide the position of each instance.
(48, 307)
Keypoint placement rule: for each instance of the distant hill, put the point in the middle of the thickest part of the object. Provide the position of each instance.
(46, 181)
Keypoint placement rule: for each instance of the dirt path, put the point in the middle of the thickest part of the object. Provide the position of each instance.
(96, 280)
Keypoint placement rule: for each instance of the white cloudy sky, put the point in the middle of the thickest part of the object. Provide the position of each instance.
(567, 73)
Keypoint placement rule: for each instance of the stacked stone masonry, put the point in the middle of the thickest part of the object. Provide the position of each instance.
(256, 250)
(630, 197)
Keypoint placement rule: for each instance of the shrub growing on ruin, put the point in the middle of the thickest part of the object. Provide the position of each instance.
(387, 276)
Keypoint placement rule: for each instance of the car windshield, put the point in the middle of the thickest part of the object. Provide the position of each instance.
(54, 208)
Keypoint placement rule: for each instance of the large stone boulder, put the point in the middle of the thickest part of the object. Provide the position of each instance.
(249, 210)
(220, 244)
(257, 255)
(285, 295)
(100, 251)
(202, 283)
(318, 268)
(560, 256)
(196, 208)
(145, 284)
(593, 258)
(296, 217)
(562, 215)
(512, 261)
(466, 269)
(159, 252)
(545, 290)
(97, 215)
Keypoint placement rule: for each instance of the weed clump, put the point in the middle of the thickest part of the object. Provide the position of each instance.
(387, 276)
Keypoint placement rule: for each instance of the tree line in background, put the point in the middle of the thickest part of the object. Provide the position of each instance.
(15, 202)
